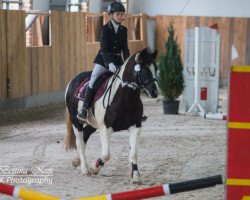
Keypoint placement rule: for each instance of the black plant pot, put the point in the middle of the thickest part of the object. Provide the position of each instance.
(170, 107)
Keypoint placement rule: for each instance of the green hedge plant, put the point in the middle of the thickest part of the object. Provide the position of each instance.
(170, 77)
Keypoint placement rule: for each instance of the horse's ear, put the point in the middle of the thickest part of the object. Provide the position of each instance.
(154, 54)
(137, 57)
(143, 53)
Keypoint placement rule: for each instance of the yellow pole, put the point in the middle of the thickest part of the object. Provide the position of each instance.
(32, 195)
(102, 197)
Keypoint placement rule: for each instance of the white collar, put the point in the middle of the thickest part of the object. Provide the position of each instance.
(116, 26)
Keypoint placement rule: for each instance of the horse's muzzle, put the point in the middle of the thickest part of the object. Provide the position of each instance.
(154, 94)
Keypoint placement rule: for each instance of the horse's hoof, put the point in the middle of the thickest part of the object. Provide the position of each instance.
(136, 178)
(76, 162)
(94, 170)
(86, 172)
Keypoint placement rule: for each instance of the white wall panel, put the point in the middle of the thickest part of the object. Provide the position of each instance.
(227, 8)
(41, 5)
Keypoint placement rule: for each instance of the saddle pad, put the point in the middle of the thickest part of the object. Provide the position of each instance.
(80, 92)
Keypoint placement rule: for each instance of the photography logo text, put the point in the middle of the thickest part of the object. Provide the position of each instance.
(17, 175)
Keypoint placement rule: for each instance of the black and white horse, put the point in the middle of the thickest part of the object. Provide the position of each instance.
(119, 108)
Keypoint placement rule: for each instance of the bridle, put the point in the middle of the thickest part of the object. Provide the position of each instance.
(139, 84)
(139, 79)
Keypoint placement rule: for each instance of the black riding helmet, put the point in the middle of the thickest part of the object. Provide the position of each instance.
(116, 7)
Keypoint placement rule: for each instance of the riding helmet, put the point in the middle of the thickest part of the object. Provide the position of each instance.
(116, 7)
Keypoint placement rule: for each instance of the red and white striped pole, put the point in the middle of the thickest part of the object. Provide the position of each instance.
(24, 193)
(157, 191)
(220, 116)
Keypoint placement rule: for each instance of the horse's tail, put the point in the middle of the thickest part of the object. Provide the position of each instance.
(70, 139)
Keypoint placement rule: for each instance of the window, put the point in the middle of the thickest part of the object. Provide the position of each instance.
(38, 29)
(17, 4)
(77, 5)
(12, 5)
(106, 3)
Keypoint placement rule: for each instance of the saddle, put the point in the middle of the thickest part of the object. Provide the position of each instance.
(100, 86)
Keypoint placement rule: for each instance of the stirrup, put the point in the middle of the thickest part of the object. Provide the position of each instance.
(83, 115)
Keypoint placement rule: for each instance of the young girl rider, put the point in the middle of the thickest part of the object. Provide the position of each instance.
(113, 42)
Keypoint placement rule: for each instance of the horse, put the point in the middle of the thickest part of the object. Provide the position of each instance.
(118, 108)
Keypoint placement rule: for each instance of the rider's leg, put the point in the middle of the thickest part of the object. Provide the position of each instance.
(88, 97)
(89, 94)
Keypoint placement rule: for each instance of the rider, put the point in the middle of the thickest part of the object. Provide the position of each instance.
(113, 41)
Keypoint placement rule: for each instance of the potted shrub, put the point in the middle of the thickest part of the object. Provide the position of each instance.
(170, 77)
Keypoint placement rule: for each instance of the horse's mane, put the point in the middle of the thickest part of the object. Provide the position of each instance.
(127, 75)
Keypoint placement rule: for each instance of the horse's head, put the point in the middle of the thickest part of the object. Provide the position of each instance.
(143, 74)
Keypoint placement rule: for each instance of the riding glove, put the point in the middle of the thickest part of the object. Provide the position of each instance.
(112, 67)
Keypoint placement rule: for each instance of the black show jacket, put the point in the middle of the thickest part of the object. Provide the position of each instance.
(112, 44)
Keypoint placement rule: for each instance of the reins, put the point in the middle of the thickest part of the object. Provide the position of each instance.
(108, 91)
(139, 85)
(110, 87)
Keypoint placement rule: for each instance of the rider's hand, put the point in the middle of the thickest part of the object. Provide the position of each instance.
(112, 67)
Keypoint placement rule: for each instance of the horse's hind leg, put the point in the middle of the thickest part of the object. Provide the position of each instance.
(87, 131)
(105, 138)
(81, 141)
(133, 140)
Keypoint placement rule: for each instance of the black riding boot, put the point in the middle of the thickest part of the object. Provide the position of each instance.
(87, 102)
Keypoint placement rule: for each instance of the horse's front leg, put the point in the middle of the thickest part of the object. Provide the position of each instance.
(105, 138)
(135, 133)
(80, 144)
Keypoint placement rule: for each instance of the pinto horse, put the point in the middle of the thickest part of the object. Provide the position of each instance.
(119, 108)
